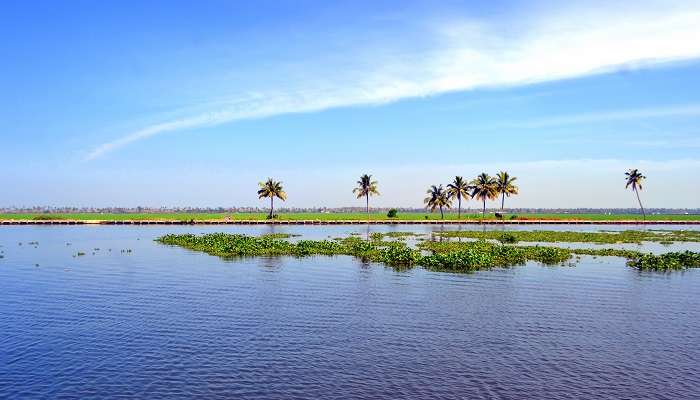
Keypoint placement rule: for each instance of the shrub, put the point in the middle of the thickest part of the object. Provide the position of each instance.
(508, 238)
(392, 213)
(45, 217)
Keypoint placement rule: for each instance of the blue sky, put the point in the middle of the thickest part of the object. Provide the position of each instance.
(191, 104)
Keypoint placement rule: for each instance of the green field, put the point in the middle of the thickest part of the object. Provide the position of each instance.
(334, 216)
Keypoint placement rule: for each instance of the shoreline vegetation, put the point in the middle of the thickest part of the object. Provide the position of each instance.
(340, 216)
(449, 256)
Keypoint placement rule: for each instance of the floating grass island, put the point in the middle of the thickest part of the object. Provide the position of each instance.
(432, 255)
(603, 237)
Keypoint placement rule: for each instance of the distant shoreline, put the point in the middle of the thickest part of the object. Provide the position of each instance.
(336, 218)
(142, 222)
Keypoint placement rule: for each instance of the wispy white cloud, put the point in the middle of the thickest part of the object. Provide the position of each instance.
(467, 54)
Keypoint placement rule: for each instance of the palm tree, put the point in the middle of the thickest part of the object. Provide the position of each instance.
(458, 189)
(366, 187)
(271, 189)
(437, 198)
(484, 187)
(634, 179)
(505, 186)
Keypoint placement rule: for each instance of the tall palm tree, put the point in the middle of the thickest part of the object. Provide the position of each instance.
(505, 186)
(634, 179)
(437, 198)
(484, 187)
(458, 189)
(271, 189)
(366, 187)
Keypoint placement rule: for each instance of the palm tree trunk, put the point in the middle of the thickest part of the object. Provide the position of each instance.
(503, 200)
(442, 216)
(459, 207)
(272, 206)
(644, 216)
(367, 198)
(483, 213)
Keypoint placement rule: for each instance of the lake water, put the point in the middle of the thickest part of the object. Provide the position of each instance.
(162, 322)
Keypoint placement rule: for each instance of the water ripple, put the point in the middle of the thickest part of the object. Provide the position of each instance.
(162, 322)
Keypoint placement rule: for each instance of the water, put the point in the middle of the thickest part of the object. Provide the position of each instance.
(164, 322)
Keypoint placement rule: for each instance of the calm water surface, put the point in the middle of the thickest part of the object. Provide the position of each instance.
(164, 322)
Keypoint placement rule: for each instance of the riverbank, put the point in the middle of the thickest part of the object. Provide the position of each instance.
(342, 222)
(410, 217)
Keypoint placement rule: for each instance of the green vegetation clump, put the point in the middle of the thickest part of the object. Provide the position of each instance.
(607, 237)
(279, 235)
(401, 235)
(471, 256)
(507, 238)
(607, 253)
(44, 217)
(467, 257)
(399, 255)
(392, 213)
(442, 256)
(666, 262)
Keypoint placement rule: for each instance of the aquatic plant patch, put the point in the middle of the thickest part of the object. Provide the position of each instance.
(602, 237)
(433, 255)
(471, 256)
(666, 262)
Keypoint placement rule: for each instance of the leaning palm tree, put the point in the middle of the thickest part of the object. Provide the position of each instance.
(458, 189)
(366, 187)
(484, 187)
(634, 179)
(505, 186)
(271, 189)
(437, 198)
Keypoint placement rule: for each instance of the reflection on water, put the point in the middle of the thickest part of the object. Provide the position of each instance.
(163, 322)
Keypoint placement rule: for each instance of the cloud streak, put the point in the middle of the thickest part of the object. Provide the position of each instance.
(467, 54)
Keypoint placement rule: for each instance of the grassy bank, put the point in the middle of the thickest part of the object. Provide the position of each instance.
(337, 216)
(440, 256)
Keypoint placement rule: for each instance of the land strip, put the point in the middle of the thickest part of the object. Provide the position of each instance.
(341, 222)
(413, 217)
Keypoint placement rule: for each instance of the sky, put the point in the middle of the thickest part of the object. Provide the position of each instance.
(180, 103)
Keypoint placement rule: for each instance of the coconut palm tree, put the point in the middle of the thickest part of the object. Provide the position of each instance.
(437, 198)
(271, 189)
(458, 189)
(484, 187)
(634, 180)
(505, 186)
(366, 187)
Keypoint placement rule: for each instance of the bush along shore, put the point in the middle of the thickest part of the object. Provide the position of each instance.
(431, 255)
